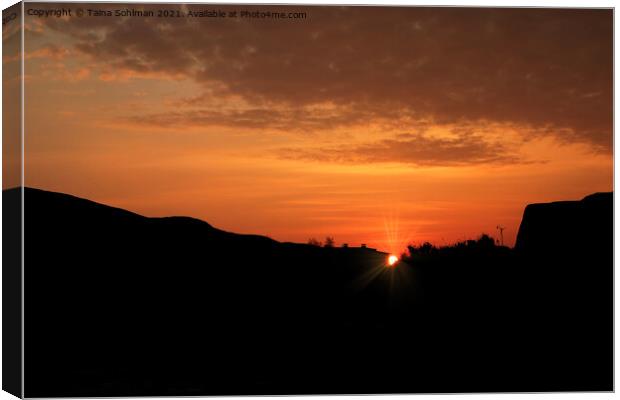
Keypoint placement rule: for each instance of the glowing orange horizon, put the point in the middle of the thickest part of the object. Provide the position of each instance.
(325, 128)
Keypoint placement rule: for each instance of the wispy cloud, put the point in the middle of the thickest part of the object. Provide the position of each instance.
(415, 149)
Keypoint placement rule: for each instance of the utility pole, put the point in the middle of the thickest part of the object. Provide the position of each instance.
(501, 233)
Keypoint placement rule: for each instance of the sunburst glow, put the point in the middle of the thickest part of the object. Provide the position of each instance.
(392, 259)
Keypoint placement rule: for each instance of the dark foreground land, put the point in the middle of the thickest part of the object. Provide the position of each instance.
(120, 304)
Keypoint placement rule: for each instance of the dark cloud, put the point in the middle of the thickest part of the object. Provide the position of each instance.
(548, 71)
(415, 149)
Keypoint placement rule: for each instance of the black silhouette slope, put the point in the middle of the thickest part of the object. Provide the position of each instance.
(118, 304)
(150, 301)
(583, 226)
(566, 249)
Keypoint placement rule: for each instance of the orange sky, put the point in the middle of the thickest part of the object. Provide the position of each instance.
(359, 123)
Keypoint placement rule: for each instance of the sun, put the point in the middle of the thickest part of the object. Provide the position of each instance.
(392, 259)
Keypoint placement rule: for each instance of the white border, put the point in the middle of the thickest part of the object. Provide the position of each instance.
(479, 3)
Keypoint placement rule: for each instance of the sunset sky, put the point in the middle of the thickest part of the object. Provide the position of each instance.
(373, 125)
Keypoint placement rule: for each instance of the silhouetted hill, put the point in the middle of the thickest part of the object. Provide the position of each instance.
(121, 304)
(581, 226)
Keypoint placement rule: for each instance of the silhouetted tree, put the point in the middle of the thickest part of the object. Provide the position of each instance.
(314, 242)
(329, 242)
(486, 241)
(483, 245)
(426, 248)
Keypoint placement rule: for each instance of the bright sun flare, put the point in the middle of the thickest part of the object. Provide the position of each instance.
(392, 260)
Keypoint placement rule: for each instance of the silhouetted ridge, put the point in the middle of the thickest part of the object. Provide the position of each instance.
(577, 226)
(602, 197)
(73, 204)
(62, 204)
